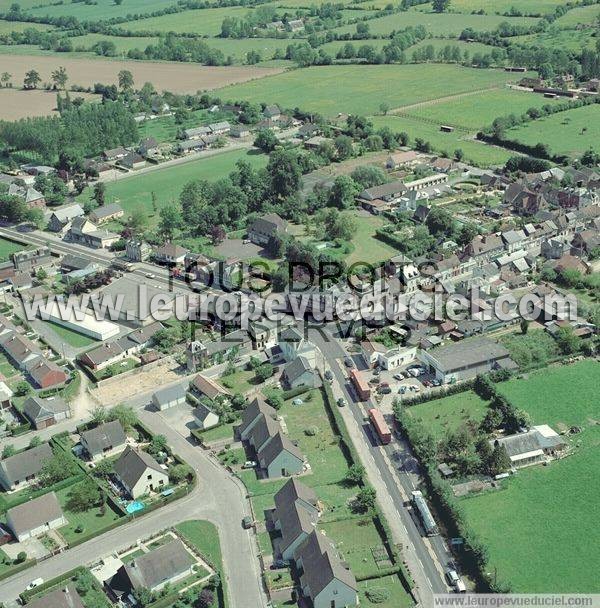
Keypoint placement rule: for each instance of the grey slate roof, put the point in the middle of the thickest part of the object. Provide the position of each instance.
(132, 464)
(27, 463)
(294, 369)
(36, 408)
(35, 513)
(390, 189)
(294, 490)
(279, 443)
(59, 598)
(321, 564)
(532, 440)
(162, 564)
(201, 412)
(467, 353)
(170, 393)
(265, 428)
(271, 223)
(104, 436)
(107, 210)
(254, 409)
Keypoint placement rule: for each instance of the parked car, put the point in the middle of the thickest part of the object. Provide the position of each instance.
(341, 402)
(250, 464)
(277, 564)
(384, 390)
(149, 275)
(402, 390)
(35, 583)
(398, 377)
(460, 587)
(451, 576)
(348, 361)
(328, 376)
(375, 380)
(436, 383)
(247, 522)
(376, 371)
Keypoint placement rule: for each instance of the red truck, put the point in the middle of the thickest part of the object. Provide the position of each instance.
(360, 384)
(380, 426)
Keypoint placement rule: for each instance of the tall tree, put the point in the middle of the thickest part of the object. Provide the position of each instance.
(59, 78)
(125, 80)
(100, 193)
(32, 79)
(5, 79)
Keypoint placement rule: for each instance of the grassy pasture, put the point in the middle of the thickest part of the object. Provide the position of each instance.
(477, 111)
(122, 43)
(447, 24)
(100, 10)
(360, 89)
(206, 21)
(445, 415)
(571, 132)
(545, 516)
(440, 43)
(499, 7)
(581, 14)
(475, 151)
(7, 248)
(568, 40)
(18, 26)
(134, 192)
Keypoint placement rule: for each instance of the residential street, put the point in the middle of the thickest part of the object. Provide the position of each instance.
(426, 557)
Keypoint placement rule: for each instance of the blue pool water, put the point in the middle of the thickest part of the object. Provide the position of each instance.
(134, 506)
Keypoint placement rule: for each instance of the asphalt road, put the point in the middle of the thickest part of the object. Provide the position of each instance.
(393, 469)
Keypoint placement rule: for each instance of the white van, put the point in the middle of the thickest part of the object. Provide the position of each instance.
(459, 586)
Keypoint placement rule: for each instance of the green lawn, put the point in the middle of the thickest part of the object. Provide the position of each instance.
(223, 431)
(437, 24)
(136, 191)
(122, 43)
(93, 521)
(445, 415)
(367, 248)
(240, 382)
(568, 40)
(70, 336)
(203, 536)
(7, 248)
(545, 516)
(360, 89)
(397, 596)
(571, 132)
(532, 350)
(581, 14)
(499, 7)
(475, 151)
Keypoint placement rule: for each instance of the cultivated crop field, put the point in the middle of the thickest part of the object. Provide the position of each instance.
(136, 191)
(170, 76)
(571, 132)
(446, 24)
(15, 103)
(546, 517)
(360, 89)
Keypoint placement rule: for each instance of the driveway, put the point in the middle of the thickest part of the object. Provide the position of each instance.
(32, 546)
(236, 248)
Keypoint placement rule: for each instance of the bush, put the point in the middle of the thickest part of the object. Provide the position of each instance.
(311, 431)
(21, 557)
(377, 595)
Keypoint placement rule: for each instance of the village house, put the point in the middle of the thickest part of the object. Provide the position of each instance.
(295, 516)
(539, 444)
(133, 161)
(585, 242)
(31, 260)
(167, 564)
(170, 254)
(196, 132)
(137, 251)
(266, 227)
(5, 396)
(253, 412)
(43, 413)
(139, 473)
(298, 373)
(85, 232)
(190, 145)
(204, 387)
(398, 160)
(33, 199)
(104, 440)
(22, 469)
(114, 154)
(204, 417)
(484, 248)
(35, 517)
(272, 112)
(66, 597)
(279, 457)
(60, 219)
(390, 193)
(106, 213)
(169, 396)
(220, 128)
(377, 354)
(148, 147)
(324, 579)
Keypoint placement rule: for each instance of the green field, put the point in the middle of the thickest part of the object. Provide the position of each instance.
(122, 43)
(569, 40)
(18, 26)
(570, 133)
(581, 14)
(360, 89)
(9, 247)
(477, 111)
(437, 24)
(99, 10)
(165, 128)
(440, 43)
(491, 7)
(443, 416)
(136, 191)
(545, 516)
(475, 151)
(205, 22)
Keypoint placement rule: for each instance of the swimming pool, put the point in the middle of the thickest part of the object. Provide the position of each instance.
(134, 506)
